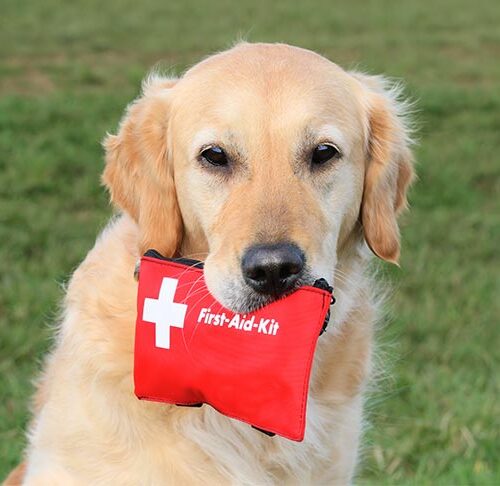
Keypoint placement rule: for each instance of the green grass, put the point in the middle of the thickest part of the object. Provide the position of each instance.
(67, 69)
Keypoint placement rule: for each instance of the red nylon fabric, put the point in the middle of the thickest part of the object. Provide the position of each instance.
(253, 367)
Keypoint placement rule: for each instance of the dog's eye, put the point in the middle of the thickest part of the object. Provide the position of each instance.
(324, 152)
(215, 156)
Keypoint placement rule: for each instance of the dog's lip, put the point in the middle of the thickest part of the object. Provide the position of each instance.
(267, 299)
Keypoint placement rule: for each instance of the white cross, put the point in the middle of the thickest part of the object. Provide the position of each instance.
(164, 312)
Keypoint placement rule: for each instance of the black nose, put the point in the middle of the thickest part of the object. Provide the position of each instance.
(272, 269)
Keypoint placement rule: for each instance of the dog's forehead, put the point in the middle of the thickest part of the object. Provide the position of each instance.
(267, 84)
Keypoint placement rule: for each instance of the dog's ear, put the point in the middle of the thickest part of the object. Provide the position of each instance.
(138, 172)
(389, 166)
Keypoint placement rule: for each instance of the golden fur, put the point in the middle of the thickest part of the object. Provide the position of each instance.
(266, 104)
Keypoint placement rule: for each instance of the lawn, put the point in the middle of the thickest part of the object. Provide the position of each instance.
(67, 69)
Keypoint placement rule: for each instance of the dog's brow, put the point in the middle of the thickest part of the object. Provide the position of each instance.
(210, 136)
(203, 137)
(314, 135)
(332, 134)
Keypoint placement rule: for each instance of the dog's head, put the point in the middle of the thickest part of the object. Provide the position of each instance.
(267, 159)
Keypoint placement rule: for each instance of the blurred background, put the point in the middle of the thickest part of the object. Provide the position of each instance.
(67, 70)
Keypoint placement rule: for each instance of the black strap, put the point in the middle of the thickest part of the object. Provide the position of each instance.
(322, 284)
(269, 434)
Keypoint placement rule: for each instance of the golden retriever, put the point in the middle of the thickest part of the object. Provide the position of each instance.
(264, 147)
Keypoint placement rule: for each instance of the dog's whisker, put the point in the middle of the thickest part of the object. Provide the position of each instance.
(349, 281)
(198, 323)
(192, 292)
(192, 255)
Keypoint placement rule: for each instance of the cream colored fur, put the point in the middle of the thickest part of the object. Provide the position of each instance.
(88, 427)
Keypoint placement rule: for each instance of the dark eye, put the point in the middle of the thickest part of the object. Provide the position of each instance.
(324, 152)
(215, 156)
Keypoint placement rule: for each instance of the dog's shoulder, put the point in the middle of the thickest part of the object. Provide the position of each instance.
(99, 306)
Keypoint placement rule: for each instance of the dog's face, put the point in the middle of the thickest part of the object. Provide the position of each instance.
(265, 158)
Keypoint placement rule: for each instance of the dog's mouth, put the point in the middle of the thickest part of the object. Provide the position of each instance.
(240, 297)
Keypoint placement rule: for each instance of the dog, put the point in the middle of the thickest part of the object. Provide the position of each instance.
(276, 167)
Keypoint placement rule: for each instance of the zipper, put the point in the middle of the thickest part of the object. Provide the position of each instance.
(183, 261)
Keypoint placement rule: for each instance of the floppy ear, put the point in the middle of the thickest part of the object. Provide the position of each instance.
(139, 175)
(389, 167)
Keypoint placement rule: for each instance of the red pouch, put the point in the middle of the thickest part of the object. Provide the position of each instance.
(253, 367)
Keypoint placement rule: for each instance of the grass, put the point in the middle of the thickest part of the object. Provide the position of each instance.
(67, 69)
